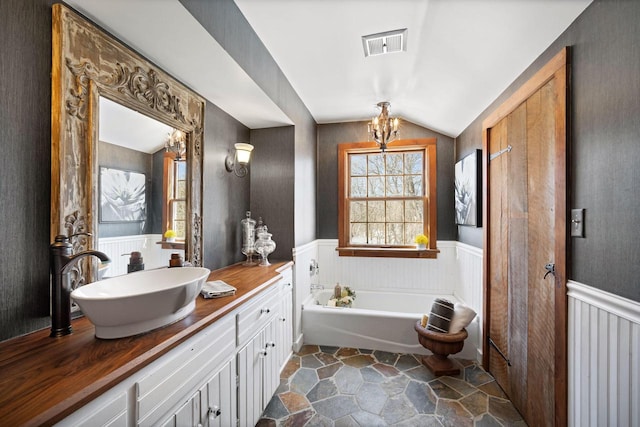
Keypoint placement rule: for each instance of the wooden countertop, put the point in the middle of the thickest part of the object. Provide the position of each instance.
(43, 379)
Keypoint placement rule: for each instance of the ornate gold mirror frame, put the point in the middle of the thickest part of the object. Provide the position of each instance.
(87, 64)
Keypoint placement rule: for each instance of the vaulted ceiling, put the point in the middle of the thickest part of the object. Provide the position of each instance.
(461, 54)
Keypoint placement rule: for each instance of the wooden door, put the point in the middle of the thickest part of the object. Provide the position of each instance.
(525, 308)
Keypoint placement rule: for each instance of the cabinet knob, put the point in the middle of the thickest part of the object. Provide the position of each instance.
(214, 412)
(284, 319)
(270, 344)
(265, 311)
(262, 353)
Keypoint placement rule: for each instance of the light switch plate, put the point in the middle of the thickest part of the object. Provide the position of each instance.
(577, 222)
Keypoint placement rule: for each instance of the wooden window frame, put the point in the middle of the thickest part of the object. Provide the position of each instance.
(169, 181)
(428, 146)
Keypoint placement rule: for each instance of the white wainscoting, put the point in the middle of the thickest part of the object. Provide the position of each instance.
(603, 358)
(457, 270)
(302, 256)
(153, 254)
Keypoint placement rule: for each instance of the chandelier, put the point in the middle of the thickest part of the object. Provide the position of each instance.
(383, 129)
(176, 142)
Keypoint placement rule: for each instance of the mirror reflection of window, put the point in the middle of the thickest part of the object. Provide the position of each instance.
(175, 196)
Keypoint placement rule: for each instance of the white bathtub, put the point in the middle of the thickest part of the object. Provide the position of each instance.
(377, 321)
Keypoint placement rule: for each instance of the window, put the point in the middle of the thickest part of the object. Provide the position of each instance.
(174, 211)
(386, 199)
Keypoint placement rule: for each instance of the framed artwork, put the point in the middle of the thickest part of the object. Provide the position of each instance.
(468, 197)
(122, 196)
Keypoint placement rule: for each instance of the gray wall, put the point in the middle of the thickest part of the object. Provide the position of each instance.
(226, 197)
(605, 143)
(224, 21)
(330, 135)
(272, 185)
(25, 183)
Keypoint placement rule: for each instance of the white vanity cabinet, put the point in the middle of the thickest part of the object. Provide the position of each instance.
(214, 405)
(285, 319)
(257, 356)
(263, 353)
(223, 376)
(173, 382)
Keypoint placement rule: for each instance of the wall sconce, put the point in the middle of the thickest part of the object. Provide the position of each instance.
(238, 163)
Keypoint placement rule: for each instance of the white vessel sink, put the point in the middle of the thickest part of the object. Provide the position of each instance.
(139, 302)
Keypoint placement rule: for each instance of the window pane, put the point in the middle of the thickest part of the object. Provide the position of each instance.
(413, 163)
(179, 228)
(394, 211)
(376, 211)
(358, 164)
(413, 185)
(413, 211)
(358, 212)
(181, 190)
(394, 185)
(394, 164)
(179, 210)
(359, 187)
(395, 233)
(386, 197)
(358, 234)
(376, 234)
(411, 230)
(181, 170)
(376, 187)
(376, 164)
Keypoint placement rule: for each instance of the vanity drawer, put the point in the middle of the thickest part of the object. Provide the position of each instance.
(256, 314)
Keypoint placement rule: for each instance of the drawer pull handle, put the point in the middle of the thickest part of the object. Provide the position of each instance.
(270, 344)
(214, 412)
(265, 311)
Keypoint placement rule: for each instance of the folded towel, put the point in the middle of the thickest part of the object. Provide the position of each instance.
(217, 289)
(440, 316)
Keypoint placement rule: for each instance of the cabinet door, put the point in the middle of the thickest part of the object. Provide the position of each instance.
(250, 366)
(188, 415)
(271, 363)
(218, 406)
(285, 325)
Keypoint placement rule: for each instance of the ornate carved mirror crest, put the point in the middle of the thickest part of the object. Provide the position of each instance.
(88, 64)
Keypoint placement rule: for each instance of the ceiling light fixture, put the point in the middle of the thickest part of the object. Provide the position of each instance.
(176, 143)
(382, 128)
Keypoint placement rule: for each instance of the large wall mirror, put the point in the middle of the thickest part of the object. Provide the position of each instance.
(113, 116)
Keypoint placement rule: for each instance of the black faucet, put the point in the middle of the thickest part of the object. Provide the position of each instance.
(62, 259)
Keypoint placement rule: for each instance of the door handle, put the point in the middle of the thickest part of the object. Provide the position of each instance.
(551, 269)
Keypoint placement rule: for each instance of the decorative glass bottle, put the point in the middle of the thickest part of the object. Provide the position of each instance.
(265, 246)
(248, 238)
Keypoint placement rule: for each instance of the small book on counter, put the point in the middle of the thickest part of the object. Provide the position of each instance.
(217, 289)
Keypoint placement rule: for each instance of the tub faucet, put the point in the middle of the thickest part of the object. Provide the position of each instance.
(62, 259)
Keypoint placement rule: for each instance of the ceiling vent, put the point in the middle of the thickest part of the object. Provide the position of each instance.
(387, 42)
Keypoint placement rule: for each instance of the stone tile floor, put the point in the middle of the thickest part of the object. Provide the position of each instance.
(346, 387)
